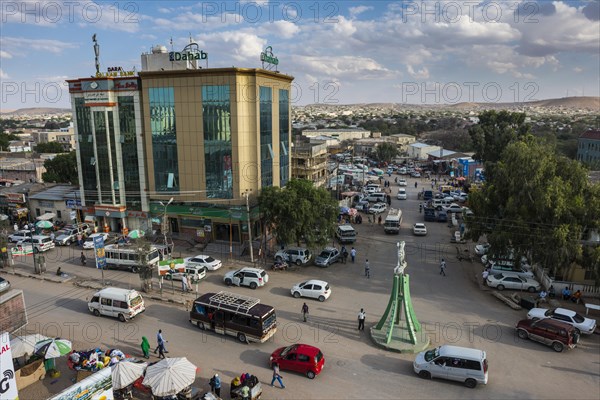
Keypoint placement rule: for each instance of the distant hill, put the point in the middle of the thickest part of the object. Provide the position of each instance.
(565, 103)
(35, 111)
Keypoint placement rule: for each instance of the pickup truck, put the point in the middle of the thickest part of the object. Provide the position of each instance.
(68, 234)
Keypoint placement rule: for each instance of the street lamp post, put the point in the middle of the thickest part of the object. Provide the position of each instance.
(246, 194)
(165, 223)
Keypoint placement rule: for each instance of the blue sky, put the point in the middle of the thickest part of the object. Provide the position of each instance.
(340, 52)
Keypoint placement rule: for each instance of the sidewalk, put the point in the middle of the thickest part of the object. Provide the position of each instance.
(171, 291)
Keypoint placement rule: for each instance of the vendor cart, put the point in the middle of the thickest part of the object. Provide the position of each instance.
(252, 383)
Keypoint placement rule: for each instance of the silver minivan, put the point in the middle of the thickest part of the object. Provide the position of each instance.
(454, 363)
(40, 243)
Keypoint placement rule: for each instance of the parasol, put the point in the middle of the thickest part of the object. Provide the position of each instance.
(344, 210)
(126, 372)
(52, 348)
(170, 376)
(136, 234)
(24, 345)
(44, 224)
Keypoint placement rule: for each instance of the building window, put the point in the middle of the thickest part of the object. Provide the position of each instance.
(164, 139)
(129, 149)
(216, 123)
(266, 136)
(37, 212)
(86, 149)
(58, 214)
(105, 147)
(284, 137)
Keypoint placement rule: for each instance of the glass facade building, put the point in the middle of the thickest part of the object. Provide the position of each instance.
(107, 158)
(164, 139)
(266, 136)
(86, 154)
(218, 151)
(129, 147)
(284, 137)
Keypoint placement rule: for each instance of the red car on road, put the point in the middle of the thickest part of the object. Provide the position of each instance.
(301, 358)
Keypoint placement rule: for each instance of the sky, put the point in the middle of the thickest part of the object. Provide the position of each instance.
(340, 52)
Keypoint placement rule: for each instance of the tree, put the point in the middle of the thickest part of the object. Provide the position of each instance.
(493, 133)
(5, 138)
(538, 204)
(299, 213)
(50, 147)
(386, 152)
(143, 247)
(61, 169)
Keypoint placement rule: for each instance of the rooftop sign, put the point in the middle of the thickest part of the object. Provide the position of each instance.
(267, 57)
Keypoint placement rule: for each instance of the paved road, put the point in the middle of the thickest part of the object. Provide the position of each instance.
(452, 309)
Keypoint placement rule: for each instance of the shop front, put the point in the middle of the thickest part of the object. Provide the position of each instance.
(110, 218)
(207, 224)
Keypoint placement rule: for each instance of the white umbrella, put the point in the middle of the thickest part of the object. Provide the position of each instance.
(125, 372)
(170, 376)
(24, 345)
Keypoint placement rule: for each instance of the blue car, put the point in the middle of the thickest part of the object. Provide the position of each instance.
(442, 216)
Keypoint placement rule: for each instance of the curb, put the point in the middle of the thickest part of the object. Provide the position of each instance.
(38, 277)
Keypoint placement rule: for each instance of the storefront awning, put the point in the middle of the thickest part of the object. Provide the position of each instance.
(90, 218)
(46, 217)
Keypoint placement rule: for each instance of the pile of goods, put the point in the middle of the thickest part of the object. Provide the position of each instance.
(94, 360)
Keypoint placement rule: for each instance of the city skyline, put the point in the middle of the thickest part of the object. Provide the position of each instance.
(422, 52)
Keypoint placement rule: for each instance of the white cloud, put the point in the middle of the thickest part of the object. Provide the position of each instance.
(422, 73)
(147, 36)
(20, 46)
(280, 29)
(342, 67)
(241, 45)
(354, 11)
(5, 54)
(3, 75)
(578, 70)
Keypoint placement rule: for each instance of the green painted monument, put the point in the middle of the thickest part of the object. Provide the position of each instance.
(392, 332)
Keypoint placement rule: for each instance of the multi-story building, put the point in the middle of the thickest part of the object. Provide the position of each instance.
(341, 134)
(588, 149)
(22, 169)
(419, 150)
(309, 161)
(65, 137)
(182, 143)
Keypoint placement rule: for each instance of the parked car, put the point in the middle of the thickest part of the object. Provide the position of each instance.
(195, 272)
(512, 280)
(419, 229)
(442, 216)
(378, 208)
(555, 334)
(482, 249)
(584, 325)
(467, 211)
(206, 262)
(68, 234)
(89, 242)
(4, 284)
(297, 255)
(328, 256)
(251, 277)
(415, 174)
(303, 358)
(313, 288)
(20, 235)
(402, 182)
(461, 364)
(453, 208)
(500, 267)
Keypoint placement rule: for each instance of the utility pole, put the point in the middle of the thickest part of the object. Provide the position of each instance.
(246, 195)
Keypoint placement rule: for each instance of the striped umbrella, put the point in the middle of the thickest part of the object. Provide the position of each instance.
(52, 348)
(136, 234)
(170, 376)
(125, 372)
(44, 224)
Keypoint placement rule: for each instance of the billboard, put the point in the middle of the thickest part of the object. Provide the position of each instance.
(99, 251)
(8, 383)
(95, 387)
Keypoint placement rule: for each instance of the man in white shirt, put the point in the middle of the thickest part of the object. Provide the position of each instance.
(361, 319)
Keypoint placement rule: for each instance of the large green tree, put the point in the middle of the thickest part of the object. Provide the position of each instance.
(299, 212)
(5, 138)
(61, 169)
(50, 147)
(538, 203)
(493, 133)
(386, 152)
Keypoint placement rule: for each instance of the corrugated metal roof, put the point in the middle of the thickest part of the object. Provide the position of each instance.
(58, 193)
(591, 135)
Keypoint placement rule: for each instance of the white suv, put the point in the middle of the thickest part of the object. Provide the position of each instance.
(296, 255)
(251, 277)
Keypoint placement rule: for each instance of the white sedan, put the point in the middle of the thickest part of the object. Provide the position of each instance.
(89, 242)
(482, 249)
(453, 208)
(419, 229)
(314, 288)
(511, 280)
(401, 182)
(203, 261)
(378, 208)
(579, 322)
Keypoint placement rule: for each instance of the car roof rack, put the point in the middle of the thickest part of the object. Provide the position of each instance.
(233, 301)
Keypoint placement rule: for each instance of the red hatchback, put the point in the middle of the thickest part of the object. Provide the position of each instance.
(301, 358)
